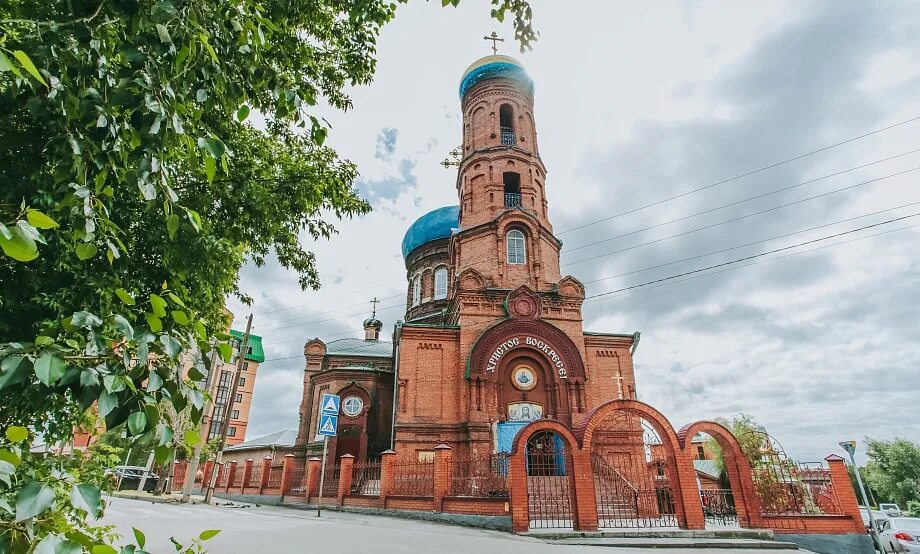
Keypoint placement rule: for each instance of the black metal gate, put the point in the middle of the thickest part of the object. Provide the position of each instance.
(719, 507)
(633, 474)
(549, 482)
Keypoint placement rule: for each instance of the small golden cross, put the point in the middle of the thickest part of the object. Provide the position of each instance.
(375, 302)
(495, 40)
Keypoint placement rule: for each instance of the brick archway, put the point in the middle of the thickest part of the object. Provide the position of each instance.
(583, 509)
(740, 477)
(684, 489)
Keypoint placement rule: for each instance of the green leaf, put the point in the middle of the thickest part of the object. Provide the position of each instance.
(107, 403)
(27, 64)
(49, 545)
(85, 319)
(194, 218)
(7, 65)
(210, 168)
(16, 434)
(137, 423)
(139, 537)
(163, 33)
(242, 113)
(213, 146)
(49, 369)
(166, 434)
(10, 457)
(191, 437)
(125, 297)
(20, 245)
(87, 497)
(40, 220)
(154, 382)
(158, 305)
(180, 317)
(226, 351)
(124, 327)
(161, 454)
(172, 225)
(176, 299)
(86, 250)
(209, 534)
(104, 549)
(6, 472)
(33, 499)
(194, 374)
(171, 346)
(14, 371)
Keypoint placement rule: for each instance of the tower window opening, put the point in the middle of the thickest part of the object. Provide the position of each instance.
(417, 290)
(512, 189)
(506, 124)
(516, 247)
(440, 283)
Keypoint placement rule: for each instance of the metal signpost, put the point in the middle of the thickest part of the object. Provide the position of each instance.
(850, 447)
(327, 427)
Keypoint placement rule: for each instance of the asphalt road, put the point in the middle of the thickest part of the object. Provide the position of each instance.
(287, 531)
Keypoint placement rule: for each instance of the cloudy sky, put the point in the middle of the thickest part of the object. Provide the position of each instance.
(637, 103)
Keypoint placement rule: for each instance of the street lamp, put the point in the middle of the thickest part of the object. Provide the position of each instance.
(850, 447)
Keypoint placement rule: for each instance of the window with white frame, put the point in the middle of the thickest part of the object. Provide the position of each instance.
(517, 250)
(440, 283)
(417, 290)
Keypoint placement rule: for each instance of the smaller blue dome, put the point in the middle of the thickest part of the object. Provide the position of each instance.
(491, 67)
(436, 224)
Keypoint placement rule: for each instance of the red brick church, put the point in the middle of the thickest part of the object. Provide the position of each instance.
(493, 335)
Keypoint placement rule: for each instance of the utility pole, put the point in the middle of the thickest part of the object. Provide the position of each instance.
(850, 447)
(225, 424)
(196, 453)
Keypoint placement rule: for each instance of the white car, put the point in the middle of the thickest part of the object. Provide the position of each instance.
(900, 535)
(891, 509)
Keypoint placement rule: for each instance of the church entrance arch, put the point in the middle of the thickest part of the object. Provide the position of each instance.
(550, 486)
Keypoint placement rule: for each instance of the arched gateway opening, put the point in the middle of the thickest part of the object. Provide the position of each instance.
(550, 487)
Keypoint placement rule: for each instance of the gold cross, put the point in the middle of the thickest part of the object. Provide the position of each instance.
(619, 380)
(495, 40)
(375, 302)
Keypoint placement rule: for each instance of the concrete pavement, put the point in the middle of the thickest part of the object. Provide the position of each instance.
(286, 531)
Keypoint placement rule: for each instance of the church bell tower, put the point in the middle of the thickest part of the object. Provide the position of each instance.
(506, 235)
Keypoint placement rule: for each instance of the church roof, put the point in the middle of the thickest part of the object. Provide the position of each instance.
(436, 224)
(285, 437)
(707, 467)
(494, 66)
(360, 347)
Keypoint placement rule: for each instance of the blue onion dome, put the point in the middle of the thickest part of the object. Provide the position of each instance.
(492, 67)
(373, 322)
(436, 224)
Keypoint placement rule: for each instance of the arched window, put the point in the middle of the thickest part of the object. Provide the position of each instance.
(512, 182)
(517, 250)
(506, 123)
(417, 290)
(440, 283)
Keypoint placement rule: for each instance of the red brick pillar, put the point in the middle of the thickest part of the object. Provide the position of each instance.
(287, 473)
(206, 476)
(247, 474)
(689, 508)
(266, 473)
(231, 474)
(585, 495)
(311, 486)
(443, 458)
(517, 488)
(846, 496)
(387, 475)
(346, 471)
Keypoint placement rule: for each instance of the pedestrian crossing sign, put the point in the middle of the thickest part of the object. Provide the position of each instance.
(330, 404)
(328, 425)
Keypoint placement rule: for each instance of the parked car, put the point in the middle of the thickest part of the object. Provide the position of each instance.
(891, 509)
(129, 477)
(879, 517)
(900, 535)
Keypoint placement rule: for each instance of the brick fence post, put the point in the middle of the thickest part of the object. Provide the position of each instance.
(387, 475)
(231, 474)
(846, 496)
(585, 494)
(206, 476)
(266, 473)
(346, 471)
(443, 457)
(247, 474)
(311, 486)
(517, 488)
(287, 473)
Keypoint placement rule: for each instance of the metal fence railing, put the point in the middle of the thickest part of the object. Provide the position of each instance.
(413, 478)
(365, 478)
(482, 476)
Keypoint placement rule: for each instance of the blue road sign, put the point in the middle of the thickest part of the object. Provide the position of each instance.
(330, 404)
(328, 425)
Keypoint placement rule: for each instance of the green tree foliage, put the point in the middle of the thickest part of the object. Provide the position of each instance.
(132, 190)
(750, 435)
(893, 471)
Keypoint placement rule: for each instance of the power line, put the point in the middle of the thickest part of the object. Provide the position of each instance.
(271, 322)
(736, 177)
(748, 244)
(742, 201)
(751, 257)
(732, 220)
(332, 318)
